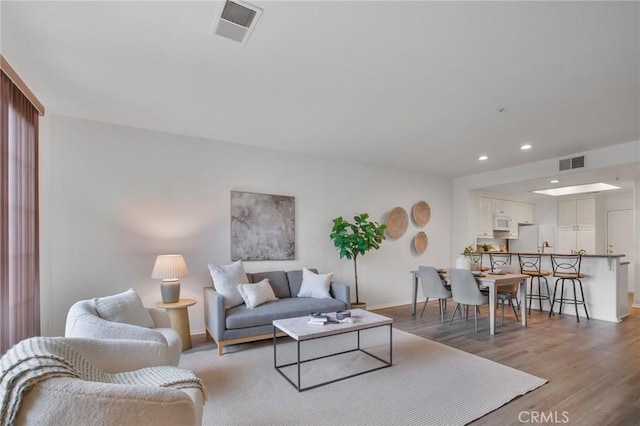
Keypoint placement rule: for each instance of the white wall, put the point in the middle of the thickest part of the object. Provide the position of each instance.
(113, 198)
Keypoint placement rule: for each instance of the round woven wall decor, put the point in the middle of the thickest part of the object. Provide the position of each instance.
(421, 213)
(420, 242)
(397, 222)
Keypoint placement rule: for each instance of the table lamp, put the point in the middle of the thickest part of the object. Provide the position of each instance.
(170, 268)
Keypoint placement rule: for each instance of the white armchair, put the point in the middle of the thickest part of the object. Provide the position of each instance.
(84, 321)
(73, 401)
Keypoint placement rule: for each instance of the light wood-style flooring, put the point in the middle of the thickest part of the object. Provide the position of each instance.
(592, 367)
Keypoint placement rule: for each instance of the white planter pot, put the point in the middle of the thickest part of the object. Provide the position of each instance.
(463, 263)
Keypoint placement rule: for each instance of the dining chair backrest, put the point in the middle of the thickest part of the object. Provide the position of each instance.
(432, 285)
(464, 288)
(498, 260)
(530, 263)
(567, 265)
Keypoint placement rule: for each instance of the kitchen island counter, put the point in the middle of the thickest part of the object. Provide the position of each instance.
(605, 284)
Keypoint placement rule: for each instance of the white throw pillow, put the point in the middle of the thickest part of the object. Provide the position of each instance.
(256, 294)
(226, 279)
(315, 285)
(125, 307)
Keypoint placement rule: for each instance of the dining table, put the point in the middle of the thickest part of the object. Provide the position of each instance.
(492, 282)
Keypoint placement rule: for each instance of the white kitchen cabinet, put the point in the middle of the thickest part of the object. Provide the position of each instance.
(524, 213)
(487, 207)
(510, 209)
(586, 240)
(566, 240)
(484, 217)
(574, 239)
(577, 225)
(586, 212)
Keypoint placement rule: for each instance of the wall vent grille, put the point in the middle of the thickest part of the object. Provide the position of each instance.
(571, 163)
(236, 20)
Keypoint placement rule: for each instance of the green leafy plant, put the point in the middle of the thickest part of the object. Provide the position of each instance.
(486, 247)
(468, 251)
(357, 238)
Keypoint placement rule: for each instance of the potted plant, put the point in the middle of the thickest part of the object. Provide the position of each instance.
(468, 251)
(466, 259)
(354, 239)
(487, 247)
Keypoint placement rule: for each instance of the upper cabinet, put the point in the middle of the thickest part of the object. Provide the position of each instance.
(580, 212)
(577, 228)
(484, 217)
(524, 213)
(520, 213)
(586, 213)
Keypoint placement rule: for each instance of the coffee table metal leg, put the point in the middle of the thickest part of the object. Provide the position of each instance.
(299, 387)
(275, 360)
(390, 344)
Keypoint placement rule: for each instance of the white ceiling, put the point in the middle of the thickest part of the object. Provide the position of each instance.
(414, 85)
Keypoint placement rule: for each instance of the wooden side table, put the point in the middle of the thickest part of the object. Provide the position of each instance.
(179, 316)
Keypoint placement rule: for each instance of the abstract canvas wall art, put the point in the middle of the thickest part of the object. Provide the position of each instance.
(262, 226)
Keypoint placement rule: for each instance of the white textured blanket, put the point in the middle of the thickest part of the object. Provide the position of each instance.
(39, 358)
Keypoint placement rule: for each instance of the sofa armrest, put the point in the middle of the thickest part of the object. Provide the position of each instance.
(214, 313)
(341, 292)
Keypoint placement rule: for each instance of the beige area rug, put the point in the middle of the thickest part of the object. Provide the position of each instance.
(428, 384)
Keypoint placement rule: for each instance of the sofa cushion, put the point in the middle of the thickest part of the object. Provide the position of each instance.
(125, 308)
(241, 316)
(277, 279)
(295, 280)
(226, 279)
(256, 294)
(315, 285)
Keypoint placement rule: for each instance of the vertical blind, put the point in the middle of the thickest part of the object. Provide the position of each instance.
(19, 260)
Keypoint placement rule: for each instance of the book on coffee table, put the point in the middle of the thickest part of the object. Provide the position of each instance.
(318, 318)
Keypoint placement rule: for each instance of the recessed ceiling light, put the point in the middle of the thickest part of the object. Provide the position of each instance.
(554, 181)
(483, 158)
(578, 189)
(525, 147)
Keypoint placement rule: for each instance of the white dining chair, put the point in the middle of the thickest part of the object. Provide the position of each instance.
(465, 291)
(433, 287)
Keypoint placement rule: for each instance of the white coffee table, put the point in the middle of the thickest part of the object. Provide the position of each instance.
(299, 330)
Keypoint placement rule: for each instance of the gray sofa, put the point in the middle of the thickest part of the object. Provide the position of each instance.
(241, 324)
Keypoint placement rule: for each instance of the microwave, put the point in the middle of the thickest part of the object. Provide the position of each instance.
(501, 222)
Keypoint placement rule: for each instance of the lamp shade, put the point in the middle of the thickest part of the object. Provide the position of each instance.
(169, 267)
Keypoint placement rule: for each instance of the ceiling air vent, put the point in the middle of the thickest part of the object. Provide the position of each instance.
(236, 20)
(572, 163)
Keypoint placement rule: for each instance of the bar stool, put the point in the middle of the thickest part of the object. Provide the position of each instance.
(531, 265)
(499, 259)
(567, 268)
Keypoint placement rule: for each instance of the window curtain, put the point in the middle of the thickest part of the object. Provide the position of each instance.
(19, 260)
